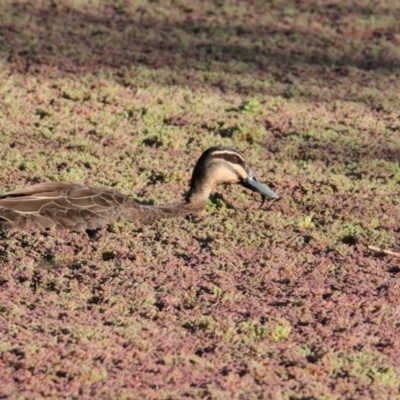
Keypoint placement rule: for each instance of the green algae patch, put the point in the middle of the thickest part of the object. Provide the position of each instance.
(284, 301)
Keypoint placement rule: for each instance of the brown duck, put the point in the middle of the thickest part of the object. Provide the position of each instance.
(78, 207)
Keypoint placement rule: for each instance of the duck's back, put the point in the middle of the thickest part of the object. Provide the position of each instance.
(61, 206)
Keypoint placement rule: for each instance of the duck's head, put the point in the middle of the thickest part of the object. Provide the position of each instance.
(223, 165)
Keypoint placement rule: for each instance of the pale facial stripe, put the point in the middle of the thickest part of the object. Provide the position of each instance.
(238, 168)
(227, 152)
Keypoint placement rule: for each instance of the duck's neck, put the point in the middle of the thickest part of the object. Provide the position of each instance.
(147, 214)
(195, 201)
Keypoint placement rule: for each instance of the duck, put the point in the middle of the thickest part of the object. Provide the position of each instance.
(78, 207)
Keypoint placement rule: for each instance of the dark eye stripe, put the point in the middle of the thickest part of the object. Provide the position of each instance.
(232, 158)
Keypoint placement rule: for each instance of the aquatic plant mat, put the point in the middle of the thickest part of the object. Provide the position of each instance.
(297, 300)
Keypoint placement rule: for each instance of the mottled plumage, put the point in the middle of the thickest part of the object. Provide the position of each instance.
(78, 207)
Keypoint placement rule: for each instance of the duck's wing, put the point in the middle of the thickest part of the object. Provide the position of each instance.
(60, 205)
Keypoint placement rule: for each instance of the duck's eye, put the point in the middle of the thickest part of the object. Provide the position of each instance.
(233, 158)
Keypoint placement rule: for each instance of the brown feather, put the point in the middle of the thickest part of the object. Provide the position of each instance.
(60, 205)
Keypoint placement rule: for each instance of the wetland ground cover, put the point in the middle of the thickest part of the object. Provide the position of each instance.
(284, 302)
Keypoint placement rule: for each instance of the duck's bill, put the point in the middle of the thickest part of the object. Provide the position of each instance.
(253, 184)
